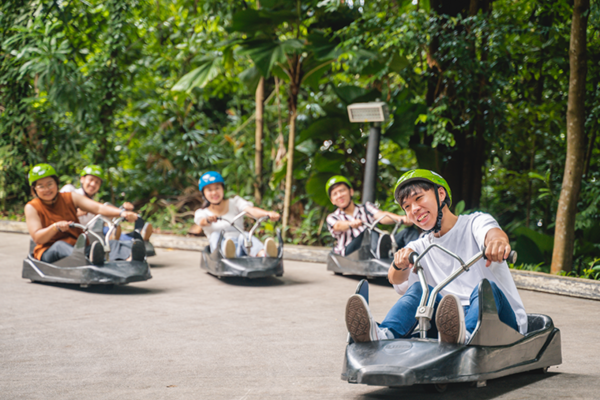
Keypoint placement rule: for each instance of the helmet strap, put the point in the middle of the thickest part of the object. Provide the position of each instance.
(86, 193)
(438, 223)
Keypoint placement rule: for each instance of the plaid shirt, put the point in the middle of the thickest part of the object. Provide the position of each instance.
(363, 212)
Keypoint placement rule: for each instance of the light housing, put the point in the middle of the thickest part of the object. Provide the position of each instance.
(376, 111)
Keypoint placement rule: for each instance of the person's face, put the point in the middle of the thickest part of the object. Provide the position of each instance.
(46, 188)
(341, 195)
(90, 184)
(213, 193)
(421, 207)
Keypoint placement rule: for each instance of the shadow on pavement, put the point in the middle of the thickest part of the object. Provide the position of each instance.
(260, 282)
(105, 289)
(463, 391)
(373, 281)
(158, 265)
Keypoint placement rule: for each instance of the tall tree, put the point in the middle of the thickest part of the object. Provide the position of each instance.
(258, 135)
(290, 39)
(564, 234)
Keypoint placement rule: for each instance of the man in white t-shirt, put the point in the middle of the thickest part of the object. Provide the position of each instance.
(426, 198)
(91, 181)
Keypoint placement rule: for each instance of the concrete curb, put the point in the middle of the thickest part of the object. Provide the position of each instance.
(536, 281)
(291, 252)
(563, 285)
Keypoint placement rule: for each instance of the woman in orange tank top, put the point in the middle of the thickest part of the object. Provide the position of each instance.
(50, 213)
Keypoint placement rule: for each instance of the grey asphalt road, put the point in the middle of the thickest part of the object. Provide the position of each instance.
(187, 335)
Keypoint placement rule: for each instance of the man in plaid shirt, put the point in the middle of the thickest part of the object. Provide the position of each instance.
(346, 224)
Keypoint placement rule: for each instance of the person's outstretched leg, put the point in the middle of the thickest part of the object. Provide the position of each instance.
(400, 320)
(505, 311)
(59, 249)
(354, 244)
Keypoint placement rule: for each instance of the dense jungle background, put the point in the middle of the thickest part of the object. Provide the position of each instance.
(160, 91)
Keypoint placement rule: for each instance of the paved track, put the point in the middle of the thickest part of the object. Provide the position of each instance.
(185, 334)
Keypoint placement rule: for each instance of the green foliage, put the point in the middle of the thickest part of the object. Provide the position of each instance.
(159, 92)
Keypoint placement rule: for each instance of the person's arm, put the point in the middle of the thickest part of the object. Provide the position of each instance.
(497, 247)
(39, 234)
(400, 268)
(107, 210)
(259, 212)
(391, 218)
(343, 226)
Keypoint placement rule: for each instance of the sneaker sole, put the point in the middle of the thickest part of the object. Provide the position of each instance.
(138, 250)
(229, 249)
(271, 248)
(147, 232)
(450, 320)
(358, 319)
(97, 254)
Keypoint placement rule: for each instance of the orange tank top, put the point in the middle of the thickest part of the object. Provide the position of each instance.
(62, 210)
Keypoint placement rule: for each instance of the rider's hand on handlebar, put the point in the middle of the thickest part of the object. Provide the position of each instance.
(496, 250)
(62, 225)
(211, 219)
(401, 258)
(129, 216)
(273, 216)
(355, 223)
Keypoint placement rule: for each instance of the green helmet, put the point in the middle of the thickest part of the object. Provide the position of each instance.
(40, 171)
(94, 170)
(423, 175)
(335, 180)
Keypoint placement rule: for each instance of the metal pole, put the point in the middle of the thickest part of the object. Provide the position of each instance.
(371, 163)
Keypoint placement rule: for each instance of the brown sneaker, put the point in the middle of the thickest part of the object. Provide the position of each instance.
(360, 323)
(271, 248)
(147, 232)
(116, 233)
(229, 248)
(450, 320)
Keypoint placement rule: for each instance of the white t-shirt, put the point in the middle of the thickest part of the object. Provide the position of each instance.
(84, 219)
(236, 206)
(465, 239)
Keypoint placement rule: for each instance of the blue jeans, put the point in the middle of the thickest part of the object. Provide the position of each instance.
(61, 249)
(401, 321)
(240, 249)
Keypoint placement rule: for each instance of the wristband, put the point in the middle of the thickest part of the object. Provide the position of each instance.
(398, 269)
(55, 227)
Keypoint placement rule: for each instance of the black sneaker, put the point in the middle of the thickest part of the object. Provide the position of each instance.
(138, 250)
(384, 246)
(97, 254)
(139, 224)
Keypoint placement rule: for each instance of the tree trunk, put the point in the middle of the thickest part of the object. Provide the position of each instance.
(294, 91)
(258, 137)
(564, 233)
(290, 168)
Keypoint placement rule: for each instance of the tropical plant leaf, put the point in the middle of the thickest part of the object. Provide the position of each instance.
(198, 77)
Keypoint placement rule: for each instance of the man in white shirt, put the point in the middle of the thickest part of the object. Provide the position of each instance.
(426, 198)
(91, 181)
